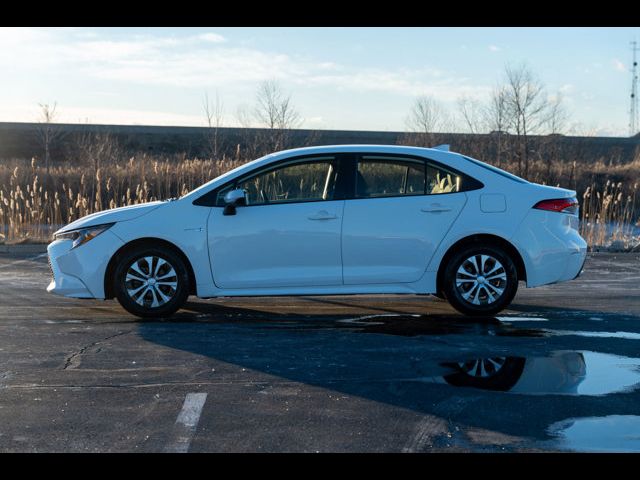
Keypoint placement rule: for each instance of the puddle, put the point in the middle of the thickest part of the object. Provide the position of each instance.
(613, 433)
(608, 373)
(560, 373)
(53, 322)
(625, 335)
(522, 319)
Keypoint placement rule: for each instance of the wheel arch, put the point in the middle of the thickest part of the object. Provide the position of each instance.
(146, 241)
(508, 247)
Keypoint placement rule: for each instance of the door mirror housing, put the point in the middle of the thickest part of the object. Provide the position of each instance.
(234, 198)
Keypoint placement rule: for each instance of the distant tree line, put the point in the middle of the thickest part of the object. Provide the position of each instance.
(518, 110)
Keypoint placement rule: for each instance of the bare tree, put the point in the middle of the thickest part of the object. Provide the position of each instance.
(249, 138)
(214, 111)
(557, 115)
(498, 118)
(47, 131)
(556, 125)
(473, 114)
(497, 113)
(426, 117)
(274, 110)
(527, 103)
(244, 117)
(97, 148)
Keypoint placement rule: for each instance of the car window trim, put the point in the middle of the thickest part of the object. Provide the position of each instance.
(357, 156)
(346, 184)
(209, 199)
(377, 158)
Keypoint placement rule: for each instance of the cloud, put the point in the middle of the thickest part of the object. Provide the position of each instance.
(618, 65)
(403, 82)
(206, 60)
(315, 122)
(567, 88)
(211, 37)
(494, 48)
(106, 116)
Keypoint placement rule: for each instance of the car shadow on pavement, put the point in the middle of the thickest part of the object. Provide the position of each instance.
(562, 312)
(401, 361)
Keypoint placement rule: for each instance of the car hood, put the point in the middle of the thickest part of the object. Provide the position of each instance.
(114, 215)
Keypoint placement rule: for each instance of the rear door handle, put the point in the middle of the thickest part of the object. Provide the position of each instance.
(322, 215)
(436, 208)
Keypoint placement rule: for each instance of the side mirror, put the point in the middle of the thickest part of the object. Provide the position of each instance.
(232, 199)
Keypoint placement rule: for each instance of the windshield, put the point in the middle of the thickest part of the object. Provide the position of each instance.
(497, 170)
(205, 186)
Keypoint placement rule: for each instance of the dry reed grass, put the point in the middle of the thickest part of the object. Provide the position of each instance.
(32, 205)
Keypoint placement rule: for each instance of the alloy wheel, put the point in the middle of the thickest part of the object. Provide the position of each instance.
(481, 279)
(482, 367)
(151, 281)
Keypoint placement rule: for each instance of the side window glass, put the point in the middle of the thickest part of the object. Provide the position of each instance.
(441, 180)
(298, 182)
(389, 177)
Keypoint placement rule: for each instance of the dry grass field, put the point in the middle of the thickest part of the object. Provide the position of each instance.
(34, 204)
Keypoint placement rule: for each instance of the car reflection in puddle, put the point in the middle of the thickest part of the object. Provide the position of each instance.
(561, 372)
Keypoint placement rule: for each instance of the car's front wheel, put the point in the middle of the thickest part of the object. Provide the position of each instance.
(480, 280)
(151, 282)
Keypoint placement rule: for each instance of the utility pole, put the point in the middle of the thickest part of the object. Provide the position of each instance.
(634, 125)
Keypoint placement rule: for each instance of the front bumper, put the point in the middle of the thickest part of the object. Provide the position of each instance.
(66, 284)
(79, 272)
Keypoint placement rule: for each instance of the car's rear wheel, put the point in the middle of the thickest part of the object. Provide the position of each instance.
(151, 282)
(496, 373)
(480, 279)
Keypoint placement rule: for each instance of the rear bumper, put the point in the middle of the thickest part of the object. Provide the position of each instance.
(575, 264)
(551, 247)
(581, 267)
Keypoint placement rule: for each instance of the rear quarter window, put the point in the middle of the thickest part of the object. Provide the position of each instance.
(441, 179)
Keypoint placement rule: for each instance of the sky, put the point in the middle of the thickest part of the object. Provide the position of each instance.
(338, 78)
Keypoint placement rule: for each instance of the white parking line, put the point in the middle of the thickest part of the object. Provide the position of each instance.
(24, 260)
(187, 422)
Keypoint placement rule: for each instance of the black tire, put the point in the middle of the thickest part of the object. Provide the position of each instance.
(173, 287)
(440, 295)
(488, 304)
(501, 373)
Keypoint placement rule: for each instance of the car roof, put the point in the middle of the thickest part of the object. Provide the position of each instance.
(355, 148)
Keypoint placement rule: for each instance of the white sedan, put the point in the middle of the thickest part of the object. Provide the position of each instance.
(349, 219)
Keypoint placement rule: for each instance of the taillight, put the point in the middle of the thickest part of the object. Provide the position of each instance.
(562, 205)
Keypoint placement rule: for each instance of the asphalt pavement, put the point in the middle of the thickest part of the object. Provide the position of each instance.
(558, 371)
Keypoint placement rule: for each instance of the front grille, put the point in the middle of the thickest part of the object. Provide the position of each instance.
(50, 267)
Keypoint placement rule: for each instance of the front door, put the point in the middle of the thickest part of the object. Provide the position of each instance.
(288, 235)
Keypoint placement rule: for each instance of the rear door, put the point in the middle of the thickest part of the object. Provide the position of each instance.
(401, 210)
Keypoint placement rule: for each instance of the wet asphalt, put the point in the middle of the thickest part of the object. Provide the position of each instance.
(558, 371)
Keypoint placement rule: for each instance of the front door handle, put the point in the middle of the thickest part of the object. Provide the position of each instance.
(322, 215)
(435, 208)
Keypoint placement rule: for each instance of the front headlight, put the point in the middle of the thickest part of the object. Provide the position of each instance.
(83, 235)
